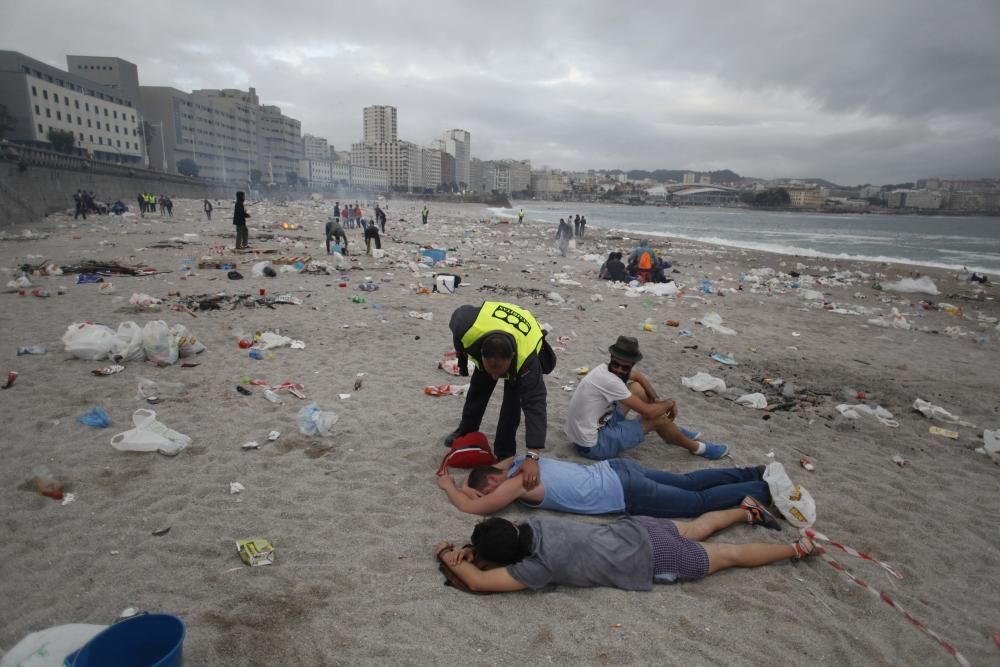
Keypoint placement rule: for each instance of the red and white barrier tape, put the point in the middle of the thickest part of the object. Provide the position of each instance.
(884, 597)
(812, 534)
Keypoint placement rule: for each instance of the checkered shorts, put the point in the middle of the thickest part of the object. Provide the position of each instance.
(674, 555)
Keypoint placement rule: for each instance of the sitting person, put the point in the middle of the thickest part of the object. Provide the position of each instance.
(644, 263)
(607, 487)
(614, 269)
(631, 553)
(334, 230)
(597, 421)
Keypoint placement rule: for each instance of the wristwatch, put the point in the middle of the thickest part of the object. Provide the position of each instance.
(531, 455)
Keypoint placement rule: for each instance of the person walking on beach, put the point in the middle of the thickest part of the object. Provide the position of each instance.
(608, 487)
(357, 212)
(142, 205)
(597, 423)
(576, 225)
(336, 211)
(520, 216)
(208, 210)
(583, 226)
(335, 232)
(344, 217)
(240, 216)
(505, 342)
(380, 217)
(563, 235)
(78, 205)
(424, 212)
(631, 553)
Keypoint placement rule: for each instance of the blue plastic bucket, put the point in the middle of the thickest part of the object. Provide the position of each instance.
(150, 640)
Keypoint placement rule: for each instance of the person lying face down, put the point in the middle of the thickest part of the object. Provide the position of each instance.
(631, 553)
(607, 487)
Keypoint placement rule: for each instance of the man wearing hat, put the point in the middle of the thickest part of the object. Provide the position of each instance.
(597, 422)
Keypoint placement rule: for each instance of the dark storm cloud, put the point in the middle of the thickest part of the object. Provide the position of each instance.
(849, 91)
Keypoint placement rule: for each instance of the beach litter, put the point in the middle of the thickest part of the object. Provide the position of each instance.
(794, 502)
(900, 461)
(253, 444)
(150, 435)
(704, 382)
(446, 389)
(876, 411)
(922, 285)
(943, 432)
(726, 359)
(11, 377)
(256, 551)
(937, 413)
(95, 418)
(236, 487)
(313, 421)
(713, 321)
(756, 401)
(107, 370)
(893, 321)
(418, 315)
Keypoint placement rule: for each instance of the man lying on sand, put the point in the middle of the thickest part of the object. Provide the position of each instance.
(631, 553)
(608, 487)
(597, 422)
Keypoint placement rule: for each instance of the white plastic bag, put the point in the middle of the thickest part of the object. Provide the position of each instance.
(757, 401)
(89, 341)
(937, 413)
(48, 647)
(150, 435)
(269, 340)
(923, 285)
(991, 444)
(795, 503)
(713, 321)
(187, 344)
(128, 347)
(313, 421)
(144, 301)
(258, 268)
(876, 411)
(159, 343)
(704, 382)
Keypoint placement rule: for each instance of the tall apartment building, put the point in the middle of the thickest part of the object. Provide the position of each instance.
(459, 144)
(216, 129)
(380, 124)
(448, 169)
(431, 167)
(104, 121)
(279, 140)
(316, 148)
(505, 176)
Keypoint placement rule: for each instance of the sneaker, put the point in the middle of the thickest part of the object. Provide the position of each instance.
(714, 452)
(757, 515)
(691, 435)
(452, 437)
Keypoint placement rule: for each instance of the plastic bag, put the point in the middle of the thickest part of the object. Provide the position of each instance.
(923, 285)
(187, 344)
(991, 444)
(128, 347)
(258, 269)
(937, 413)
(150, 435)
(95, 417)
(713, 321)
(313, 421)
(92, 342)
(704, 382)
(795, 503)
(877, 411)
(47, 647)
(269, 340)
(159, 343)
(757, 401)
(144, 301)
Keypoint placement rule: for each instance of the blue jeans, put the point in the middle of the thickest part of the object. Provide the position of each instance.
(667, 495)
(614, 437)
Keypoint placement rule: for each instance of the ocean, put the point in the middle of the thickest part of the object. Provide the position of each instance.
(950, 242)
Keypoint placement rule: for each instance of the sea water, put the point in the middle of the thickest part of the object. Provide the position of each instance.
(951, 242)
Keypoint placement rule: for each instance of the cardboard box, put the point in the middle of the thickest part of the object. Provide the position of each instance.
(256, 551)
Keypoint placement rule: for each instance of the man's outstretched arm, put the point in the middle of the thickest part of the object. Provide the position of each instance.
(497, 580)
(503, 495)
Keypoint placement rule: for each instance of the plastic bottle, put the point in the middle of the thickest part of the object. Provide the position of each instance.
(32, 349)
(245, 344)
(271, 396)
(256, 354)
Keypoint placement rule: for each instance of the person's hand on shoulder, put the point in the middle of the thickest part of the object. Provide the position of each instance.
(530, 475)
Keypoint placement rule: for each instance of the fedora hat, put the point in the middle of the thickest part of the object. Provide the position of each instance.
(627, 348)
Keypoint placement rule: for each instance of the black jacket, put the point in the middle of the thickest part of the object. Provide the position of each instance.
(239, 213)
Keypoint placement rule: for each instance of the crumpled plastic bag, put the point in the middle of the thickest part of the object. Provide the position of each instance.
(159, 343)
(258, 270)
(446, 389)
(713, 321)
(795, 503)
(313, 421)
(991, 444)
(48, 647)
(144, 301)
(877, 411)
(269, 340)
(938, 413)
(95, 417)
(449, 363)
(757, 401)
(187, 344)
(128, 346)
(704, 382)
(923, 285)
(91, 342)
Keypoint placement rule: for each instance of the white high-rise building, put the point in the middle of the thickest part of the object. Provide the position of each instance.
(380, 125)
(315, 148)
(458, 143)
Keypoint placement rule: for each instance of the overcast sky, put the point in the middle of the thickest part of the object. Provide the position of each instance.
(854, 92)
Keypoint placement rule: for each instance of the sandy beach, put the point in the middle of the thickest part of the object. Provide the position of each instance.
(353, 516)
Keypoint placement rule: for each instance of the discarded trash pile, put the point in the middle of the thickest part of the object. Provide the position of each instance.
(156, 342)
(109, 268)
(515, 291)
(233, 301)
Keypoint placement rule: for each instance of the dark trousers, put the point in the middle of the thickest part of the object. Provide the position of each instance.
(480, 390)
(381, 224)
(242, 236)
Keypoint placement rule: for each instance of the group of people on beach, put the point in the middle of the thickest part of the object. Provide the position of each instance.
(644, 265)
(371, 228)
(647, 546)
(147, 204)
(566, 231)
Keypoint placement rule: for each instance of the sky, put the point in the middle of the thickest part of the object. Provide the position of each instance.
(871, 91)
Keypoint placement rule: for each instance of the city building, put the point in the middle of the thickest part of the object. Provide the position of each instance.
(380, 125)
(431, 167)
(368, 178)
(689, 177)
(458, 143)
(340, 173)
(704, 195)
(549, 182)
(316, 148)
(918, 199)
(279, 140)
(318, 173)
(104, 121)
(448, 169)
(705, 179)
(805, 197)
